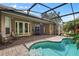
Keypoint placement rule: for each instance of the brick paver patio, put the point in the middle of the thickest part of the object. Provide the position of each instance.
(20, 47)
(17, 48)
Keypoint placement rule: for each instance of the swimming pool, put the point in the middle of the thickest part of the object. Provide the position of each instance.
(49, 48)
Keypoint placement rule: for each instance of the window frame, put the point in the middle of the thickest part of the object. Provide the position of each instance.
(24, 33)
(9, 25)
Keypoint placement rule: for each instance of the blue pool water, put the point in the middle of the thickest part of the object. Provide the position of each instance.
(49, 48)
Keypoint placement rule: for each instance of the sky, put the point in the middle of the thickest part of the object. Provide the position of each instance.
(63, 10)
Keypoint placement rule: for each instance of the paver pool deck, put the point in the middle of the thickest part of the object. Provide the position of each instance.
(22, 49)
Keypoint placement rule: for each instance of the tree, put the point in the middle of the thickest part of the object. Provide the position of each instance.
(71, 25)
(50, 16)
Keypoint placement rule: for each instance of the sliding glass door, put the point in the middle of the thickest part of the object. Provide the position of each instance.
(22, 28)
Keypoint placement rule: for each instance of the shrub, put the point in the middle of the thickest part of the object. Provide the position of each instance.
(70, 34)
(76, 40)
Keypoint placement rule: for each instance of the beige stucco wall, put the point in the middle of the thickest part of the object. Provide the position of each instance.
(2, 25)
(13, 19)
(49, 29)
(46, 28)
(0, 22)
(32, 24)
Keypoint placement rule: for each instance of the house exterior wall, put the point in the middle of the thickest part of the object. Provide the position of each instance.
(51, 29)
(12, 28)
(2, 25)
(55, 29)
(32, 24)
(0, 22)
(48, 28)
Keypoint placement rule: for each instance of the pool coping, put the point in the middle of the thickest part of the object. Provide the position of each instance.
(28, 45)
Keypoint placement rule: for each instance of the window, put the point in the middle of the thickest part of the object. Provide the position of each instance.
(26, 27)
(7, 24)
(21, 28)
(16, 27)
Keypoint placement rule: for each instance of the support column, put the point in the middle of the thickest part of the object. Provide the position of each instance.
(50, 29)
(3, 25)
(28, 29)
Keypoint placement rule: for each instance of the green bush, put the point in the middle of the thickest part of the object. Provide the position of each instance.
(76, 39)
(70, 34)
